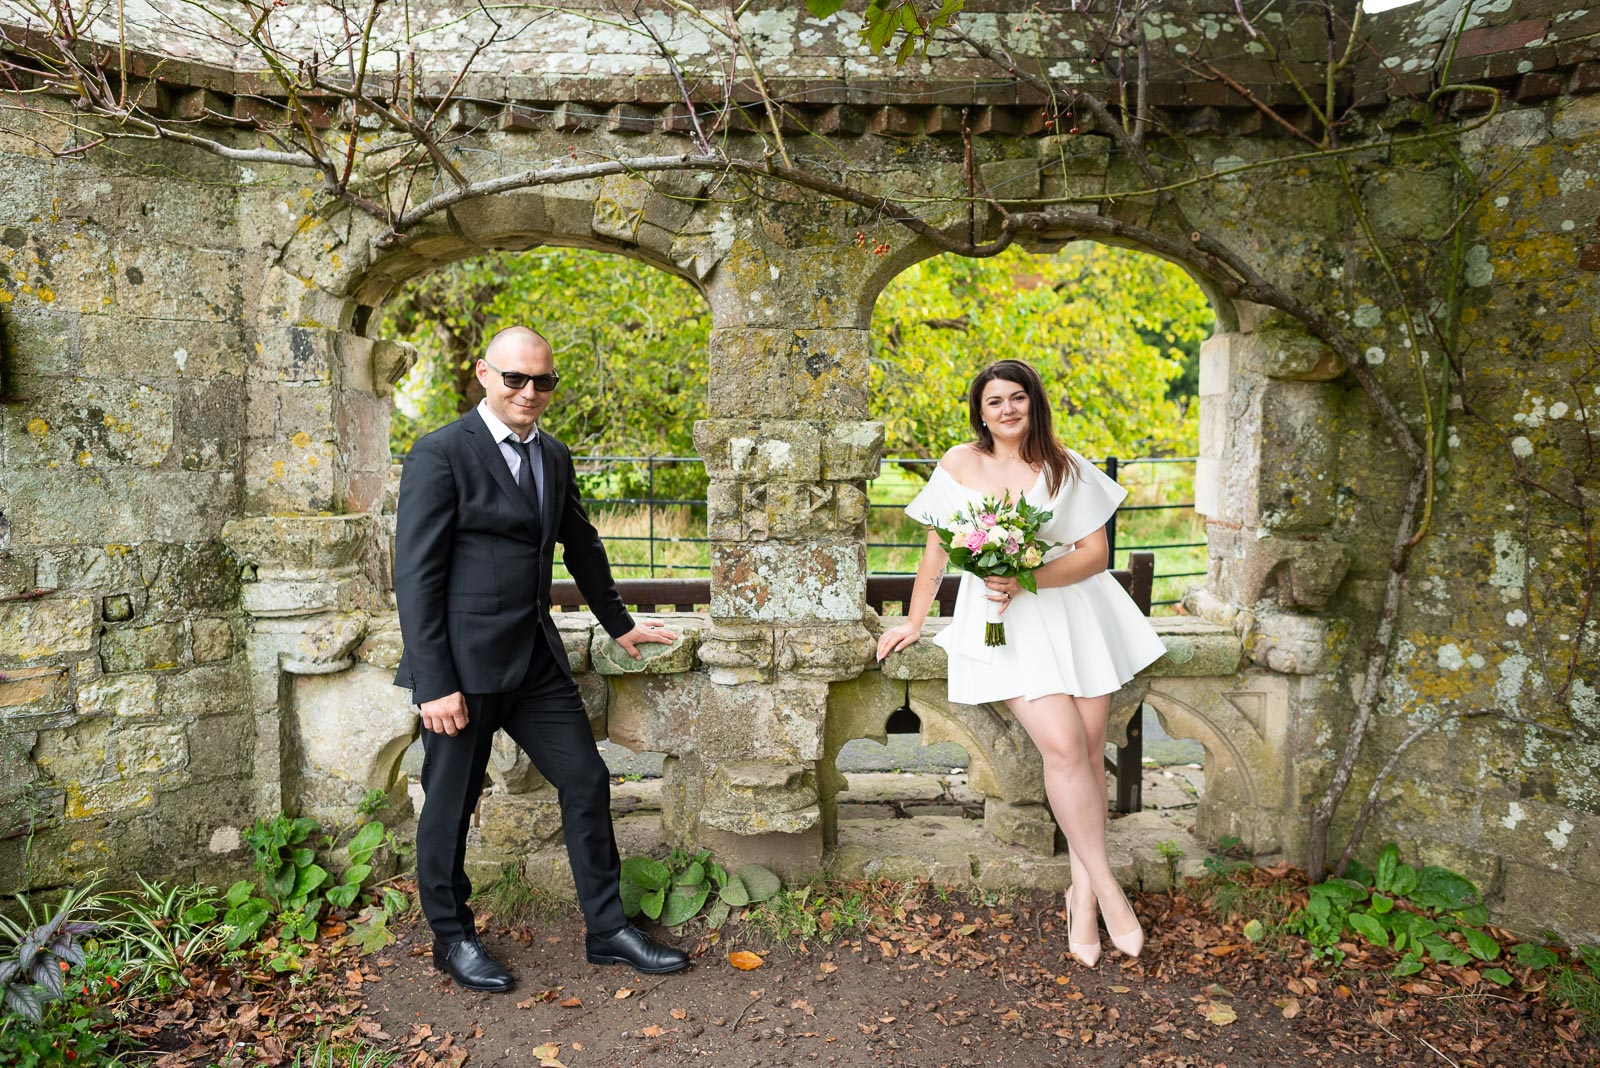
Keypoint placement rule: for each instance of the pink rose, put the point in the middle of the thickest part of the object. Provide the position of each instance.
(988, 519)
(975, 540)
(1012, 546)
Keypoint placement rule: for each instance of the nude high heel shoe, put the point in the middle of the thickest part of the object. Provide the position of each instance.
(1086, 953)
(1130, 943)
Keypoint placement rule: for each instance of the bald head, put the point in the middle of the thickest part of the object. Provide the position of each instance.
(515, 340)
(523, 354)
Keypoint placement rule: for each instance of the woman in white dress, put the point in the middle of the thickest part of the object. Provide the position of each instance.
(1067, 648)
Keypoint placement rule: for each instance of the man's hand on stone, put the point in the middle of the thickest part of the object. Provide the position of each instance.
(648, 631)
(445, 715)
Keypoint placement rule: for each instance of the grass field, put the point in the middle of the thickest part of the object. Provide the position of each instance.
(667, 540)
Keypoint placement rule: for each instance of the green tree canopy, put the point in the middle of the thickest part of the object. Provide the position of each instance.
(1115, 335)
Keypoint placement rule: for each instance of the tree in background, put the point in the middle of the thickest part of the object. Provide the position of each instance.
(1115, 335)
(630, 343)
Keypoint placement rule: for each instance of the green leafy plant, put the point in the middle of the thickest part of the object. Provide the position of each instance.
(42, 1025)
(41, 950)
(153, 932)
(675, 890)
(295, 886)
(370, 932)
(65, 1035)
(1230, 856)
(820, 912)
(1171, 852)
(1413, 911)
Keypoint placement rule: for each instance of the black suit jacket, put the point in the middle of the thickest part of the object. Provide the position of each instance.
(472, 568)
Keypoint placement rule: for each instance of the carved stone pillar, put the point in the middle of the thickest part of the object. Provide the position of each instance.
(1268, 475)
(788, 453)
(314, 560)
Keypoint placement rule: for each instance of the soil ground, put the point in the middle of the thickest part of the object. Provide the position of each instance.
(958, 984)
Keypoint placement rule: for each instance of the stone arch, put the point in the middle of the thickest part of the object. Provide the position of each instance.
(1243, 723)
(1002, 762)
(317, 470)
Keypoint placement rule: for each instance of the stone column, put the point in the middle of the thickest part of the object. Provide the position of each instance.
(788, 451)
(1269, 484)
(314, 555)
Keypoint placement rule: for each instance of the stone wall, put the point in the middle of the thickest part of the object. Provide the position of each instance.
(126, 728)
(195, 554)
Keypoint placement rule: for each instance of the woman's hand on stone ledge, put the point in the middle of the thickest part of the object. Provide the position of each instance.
(896, 638)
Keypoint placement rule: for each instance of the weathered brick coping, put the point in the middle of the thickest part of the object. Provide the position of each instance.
(1194, 648)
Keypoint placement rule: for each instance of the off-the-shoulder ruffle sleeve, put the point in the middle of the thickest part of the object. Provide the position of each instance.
(1085, 503)
(937, 502)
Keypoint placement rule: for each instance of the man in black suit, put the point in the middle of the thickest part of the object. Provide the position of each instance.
(482, 502)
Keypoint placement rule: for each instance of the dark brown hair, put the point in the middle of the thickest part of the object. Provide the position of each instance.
(1040, 446)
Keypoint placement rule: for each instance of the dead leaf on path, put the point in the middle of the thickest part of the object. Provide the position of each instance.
(680, 1014)
(571, 1003)
(803, 1005)
(652, 1031)
(549, 1049)
(1120, 989)
(625, 992)
(1289, 1006)
(827, 967)
(744, 960)
(1297, 987)
(1221, 1014)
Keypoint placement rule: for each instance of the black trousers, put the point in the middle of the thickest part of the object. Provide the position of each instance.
(545, 717)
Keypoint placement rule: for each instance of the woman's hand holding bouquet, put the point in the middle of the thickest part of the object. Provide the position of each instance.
(997, 538)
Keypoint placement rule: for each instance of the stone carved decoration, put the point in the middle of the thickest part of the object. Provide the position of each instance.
(347, 733)
(1243, 723)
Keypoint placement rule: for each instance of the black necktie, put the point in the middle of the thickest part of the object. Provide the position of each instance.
(525, 473)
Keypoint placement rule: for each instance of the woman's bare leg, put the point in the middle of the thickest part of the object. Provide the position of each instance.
(1070, 735)
(1095, 711)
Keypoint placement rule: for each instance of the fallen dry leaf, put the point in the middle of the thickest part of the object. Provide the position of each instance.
(744, 960)
(1290, 1007)
(625, 992)
(827, 967)
(652, 1031)
(571, 1003)
(680, 1014)
(549, 1049)
(1220, 1014)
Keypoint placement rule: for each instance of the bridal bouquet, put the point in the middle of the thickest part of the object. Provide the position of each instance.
(997, 537)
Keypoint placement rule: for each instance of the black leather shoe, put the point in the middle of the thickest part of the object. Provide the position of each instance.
(470, 965)
(631, 946)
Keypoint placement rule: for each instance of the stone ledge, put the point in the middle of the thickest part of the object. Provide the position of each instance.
(1195, 647)
(609, 658)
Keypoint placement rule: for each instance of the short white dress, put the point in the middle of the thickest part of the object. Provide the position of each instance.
(1084, 640)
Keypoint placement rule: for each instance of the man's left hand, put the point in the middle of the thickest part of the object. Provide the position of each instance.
(648, 631)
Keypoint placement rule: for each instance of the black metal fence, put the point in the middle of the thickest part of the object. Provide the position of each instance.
(653, 536)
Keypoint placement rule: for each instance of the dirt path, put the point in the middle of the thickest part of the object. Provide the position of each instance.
(953, 986)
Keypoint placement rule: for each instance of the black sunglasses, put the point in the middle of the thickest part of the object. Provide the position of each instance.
(516, 380)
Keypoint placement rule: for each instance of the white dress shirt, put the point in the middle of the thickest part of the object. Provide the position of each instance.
(504, 436)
